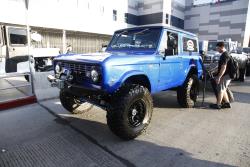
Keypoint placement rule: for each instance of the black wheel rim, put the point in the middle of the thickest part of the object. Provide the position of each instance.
(78, 101)
(137, 113)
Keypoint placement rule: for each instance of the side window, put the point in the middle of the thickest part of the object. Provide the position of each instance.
(172, 43)
(189, 45)
(114, 15)
(17, 36)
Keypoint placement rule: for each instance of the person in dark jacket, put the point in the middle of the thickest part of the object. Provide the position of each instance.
(223, 79)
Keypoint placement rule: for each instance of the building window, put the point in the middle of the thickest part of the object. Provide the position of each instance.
(114, 15)
(177, 22)
(126, 17)
(167, 19)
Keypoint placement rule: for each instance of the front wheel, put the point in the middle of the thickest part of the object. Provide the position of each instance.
(74, 104)
(130, 112)
(248, 70)
(187, 94)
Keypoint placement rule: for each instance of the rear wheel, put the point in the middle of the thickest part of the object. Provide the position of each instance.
(130, 112)
(242, 76)
(74, 104)
(187, 94)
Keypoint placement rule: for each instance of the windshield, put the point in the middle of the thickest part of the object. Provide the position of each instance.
(212, 46)
(139, 39)
(246, 50)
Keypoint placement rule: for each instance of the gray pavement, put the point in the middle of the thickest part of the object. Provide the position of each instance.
(14, 93)
(45, 134)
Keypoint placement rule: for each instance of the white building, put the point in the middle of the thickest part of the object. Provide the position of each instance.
(89, 23)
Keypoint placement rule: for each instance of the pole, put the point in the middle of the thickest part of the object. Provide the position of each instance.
(29, 45)
(64, 41)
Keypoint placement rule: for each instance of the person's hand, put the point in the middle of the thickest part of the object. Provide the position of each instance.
(217, 80)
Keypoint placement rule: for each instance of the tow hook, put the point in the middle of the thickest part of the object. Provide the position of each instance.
(55, 82)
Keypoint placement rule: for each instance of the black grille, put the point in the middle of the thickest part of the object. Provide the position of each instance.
(207, 60)
(79, 70)
(76, 67)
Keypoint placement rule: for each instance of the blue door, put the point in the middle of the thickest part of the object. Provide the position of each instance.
(170, 61)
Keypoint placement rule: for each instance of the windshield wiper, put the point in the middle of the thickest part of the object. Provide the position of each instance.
(122, 33)
(142, 31)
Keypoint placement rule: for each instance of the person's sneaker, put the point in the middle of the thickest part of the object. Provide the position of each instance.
(226, 105)
(215, 106)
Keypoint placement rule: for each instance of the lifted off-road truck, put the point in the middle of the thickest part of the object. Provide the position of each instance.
(137, 63)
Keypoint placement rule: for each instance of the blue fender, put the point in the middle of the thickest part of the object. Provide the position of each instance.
(123, 78)
(194, 63)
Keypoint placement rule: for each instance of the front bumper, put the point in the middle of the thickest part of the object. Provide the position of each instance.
(56, 82)
(75, 89)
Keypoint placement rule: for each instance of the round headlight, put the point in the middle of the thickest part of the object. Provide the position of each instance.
(94, 75)
(58, 68)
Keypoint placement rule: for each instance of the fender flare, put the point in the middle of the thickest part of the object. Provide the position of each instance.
(197, 65)
(125, 76)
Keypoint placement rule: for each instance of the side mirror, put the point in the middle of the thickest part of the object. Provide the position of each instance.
(169, 52)
(104, 47)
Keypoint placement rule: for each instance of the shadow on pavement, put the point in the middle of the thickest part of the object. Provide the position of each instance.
(137, 152)
(241, 97)
(165, 99)
(168, 99)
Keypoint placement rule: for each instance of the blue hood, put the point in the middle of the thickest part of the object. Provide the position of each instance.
(99, 57)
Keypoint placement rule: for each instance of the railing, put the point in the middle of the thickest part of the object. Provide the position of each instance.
(15, 91)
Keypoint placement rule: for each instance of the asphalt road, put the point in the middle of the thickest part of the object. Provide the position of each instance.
(45, 134)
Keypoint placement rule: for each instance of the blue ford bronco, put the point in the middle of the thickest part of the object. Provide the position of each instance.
(138, 62)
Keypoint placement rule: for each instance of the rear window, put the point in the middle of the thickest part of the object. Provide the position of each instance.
(17, 36)
(189, 45)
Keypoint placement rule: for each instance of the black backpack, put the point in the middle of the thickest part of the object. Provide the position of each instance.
(233, 67)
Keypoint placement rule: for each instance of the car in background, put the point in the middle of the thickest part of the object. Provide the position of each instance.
(246, 50)
(212, 56)
(242, 60)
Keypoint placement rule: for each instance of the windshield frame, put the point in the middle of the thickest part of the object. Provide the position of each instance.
(215, 42)
(138, 30)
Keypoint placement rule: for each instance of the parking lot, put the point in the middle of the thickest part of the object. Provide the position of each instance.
(45, 134)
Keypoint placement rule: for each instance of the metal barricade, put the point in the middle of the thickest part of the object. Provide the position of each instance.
(11, 75)
(16, 89)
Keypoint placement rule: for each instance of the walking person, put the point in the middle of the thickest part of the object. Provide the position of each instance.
(223, 79)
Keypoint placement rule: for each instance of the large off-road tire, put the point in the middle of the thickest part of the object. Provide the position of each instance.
(130, 112)
(187, 94)
(73, 103)
(242, 75)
